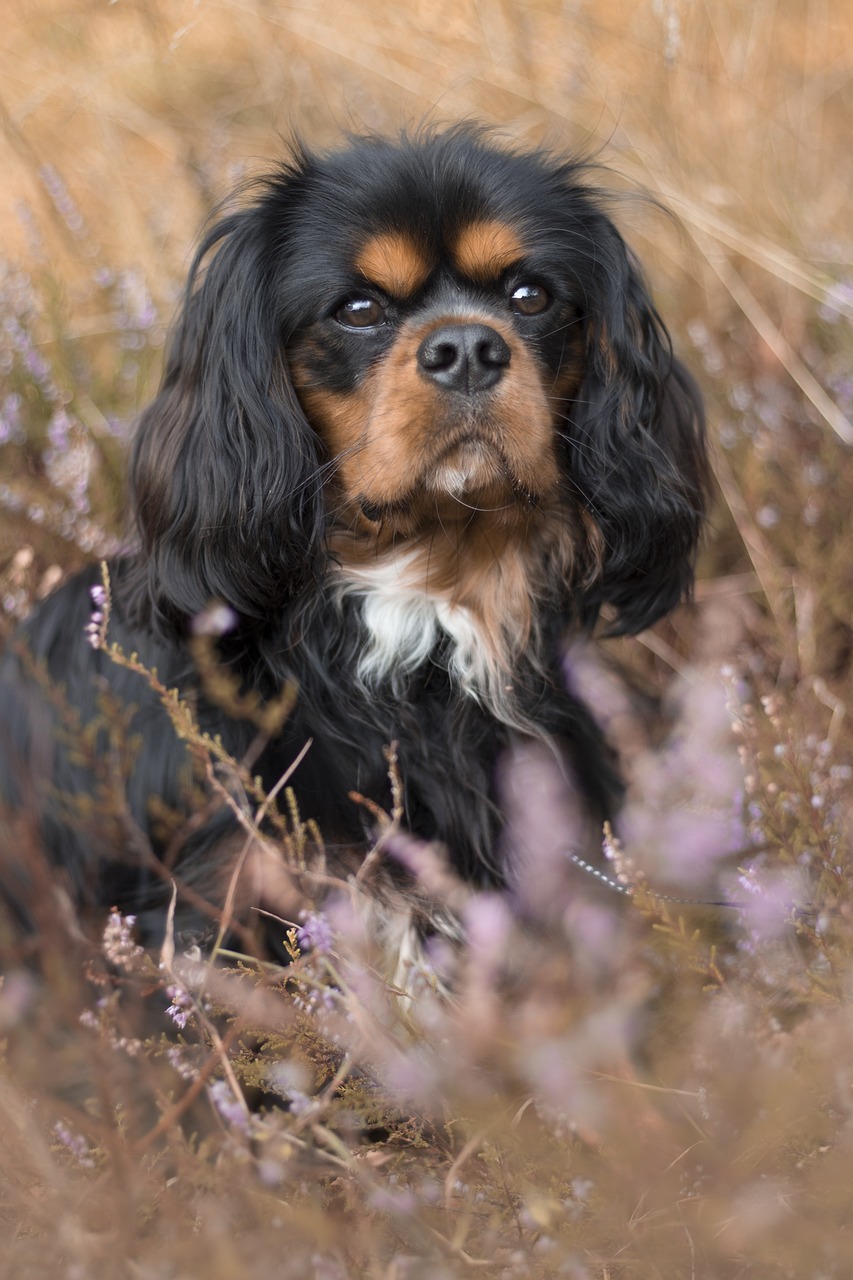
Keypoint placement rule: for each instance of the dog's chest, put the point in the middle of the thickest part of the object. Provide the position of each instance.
(406, 626)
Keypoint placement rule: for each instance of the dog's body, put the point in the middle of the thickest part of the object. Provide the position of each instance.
(419, 423)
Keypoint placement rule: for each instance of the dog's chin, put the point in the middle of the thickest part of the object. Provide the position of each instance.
(470, 476)
(472, 473)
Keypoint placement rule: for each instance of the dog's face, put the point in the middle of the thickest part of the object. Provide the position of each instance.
(444, 341)
(410, 335)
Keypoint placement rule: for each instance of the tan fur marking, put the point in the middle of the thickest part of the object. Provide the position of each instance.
(497, 573)
(484, 250)
(394, 262)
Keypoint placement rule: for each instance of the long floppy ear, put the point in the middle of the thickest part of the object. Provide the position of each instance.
(637, 453)
(224, 484)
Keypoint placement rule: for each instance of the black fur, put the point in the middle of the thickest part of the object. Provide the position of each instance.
(230, 486)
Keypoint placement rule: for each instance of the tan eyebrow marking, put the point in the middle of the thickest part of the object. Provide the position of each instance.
(394, 262)
(485, 249)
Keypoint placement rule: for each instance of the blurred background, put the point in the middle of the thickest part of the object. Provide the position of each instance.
(719, 1144)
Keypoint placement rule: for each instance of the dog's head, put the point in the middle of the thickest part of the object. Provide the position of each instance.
(405, 334)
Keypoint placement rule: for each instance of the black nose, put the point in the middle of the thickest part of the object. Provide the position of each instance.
(464, 357)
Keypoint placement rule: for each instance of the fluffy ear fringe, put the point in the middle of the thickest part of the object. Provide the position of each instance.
(637, 453)
(224, 472)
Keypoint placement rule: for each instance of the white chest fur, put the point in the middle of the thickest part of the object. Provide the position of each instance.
(405, 624)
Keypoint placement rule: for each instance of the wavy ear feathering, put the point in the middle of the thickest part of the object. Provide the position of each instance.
(636, 445)
(420, 422)
(224, 476)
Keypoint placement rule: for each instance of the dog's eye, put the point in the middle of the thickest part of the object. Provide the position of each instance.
(361, 313)
(530, 299)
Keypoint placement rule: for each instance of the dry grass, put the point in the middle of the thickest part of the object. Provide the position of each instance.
(626, 1093)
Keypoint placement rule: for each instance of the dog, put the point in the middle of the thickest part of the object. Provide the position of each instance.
(420, 424)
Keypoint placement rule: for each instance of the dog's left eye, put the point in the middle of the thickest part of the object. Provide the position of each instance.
(361, 313)
(530, 299)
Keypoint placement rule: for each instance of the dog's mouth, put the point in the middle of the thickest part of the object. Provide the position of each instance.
(473, 471)
(470, 472)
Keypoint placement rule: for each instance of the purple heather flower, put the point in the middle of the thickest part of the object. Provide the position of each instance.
(62, 200)
(215, 620)
(315, 933)
(230, 1108)
(118, 944)
(75, 1143)
(136, 309)
(96, 618)
(35, 364)
(488, 922)
(300, 1103)
(545, 824)
(11, 428)
(181, 1007)
(179, 1061)
(93, 629)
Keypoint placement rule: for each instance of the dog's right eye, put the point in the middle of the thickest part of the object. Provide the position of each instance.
(361, 313)
(530, 300)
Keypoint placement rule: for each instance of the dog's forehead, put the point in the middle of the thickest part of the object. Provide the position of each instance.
(395, 213)
(401, 260)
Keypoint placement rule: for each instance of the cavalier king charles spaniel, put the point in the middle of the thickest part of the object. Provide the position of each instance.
(420, 424)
